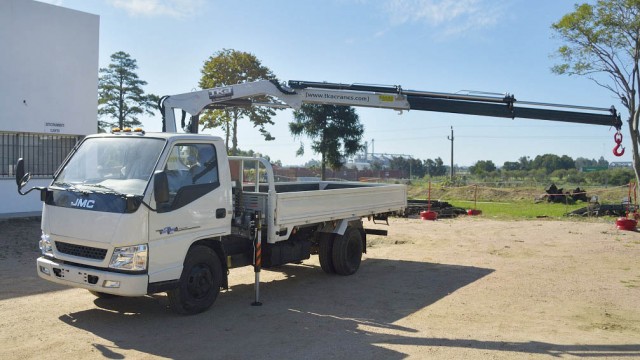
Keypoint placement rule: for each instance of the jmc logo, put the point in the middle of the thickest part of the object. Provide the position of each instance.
(84, 203)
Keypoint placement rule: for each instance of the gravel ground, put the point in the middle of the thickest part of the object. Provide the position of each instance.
(468, 288)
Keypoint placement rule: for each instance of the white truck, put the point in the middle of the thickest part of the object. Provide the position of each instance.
(133, 213)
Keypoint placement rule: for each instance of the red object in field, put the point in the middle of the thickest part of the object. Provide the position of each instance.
(626, 224)
(428, 215)
(474, 211)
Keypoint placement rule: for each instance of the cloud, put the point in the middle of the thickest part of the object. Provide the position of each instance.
(450, 17)
(153, 8)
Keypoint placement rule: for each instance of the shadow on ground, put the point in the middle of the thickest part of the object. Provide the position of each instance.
(307, 315)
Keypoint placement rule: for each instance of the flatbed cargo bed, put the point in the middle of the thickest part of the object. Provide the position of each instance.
(291, 204)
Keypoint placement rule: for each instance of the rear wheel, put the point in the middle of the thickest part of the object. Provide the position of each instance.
(325, 253)
(347, 252)
(199, 283)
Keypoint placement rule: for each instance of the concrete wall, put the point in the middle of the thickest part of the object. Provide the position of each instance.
(48, 79)
(14, 203)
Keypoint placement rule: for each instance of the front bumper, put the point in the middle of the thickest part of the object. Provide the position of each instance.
(92, 279)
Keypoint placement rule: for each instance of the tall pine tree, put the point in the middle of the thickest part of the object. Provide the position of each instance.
(120, 94)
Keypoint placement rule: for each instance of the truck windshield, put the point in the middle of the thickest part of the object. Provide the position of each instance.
(113, 165)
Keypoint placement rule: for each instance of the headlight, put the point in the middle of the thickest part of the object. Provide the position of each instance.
(45, 245)
(133, 258)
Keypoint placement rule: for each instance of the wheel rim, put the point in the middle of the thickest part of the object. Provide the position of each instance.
(200, 281)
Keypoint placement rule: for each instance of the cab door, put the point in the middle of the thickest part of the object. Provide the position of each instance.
(199, 207)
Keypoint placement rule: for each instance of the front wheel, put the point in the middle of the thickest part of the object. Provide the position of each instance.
(199, 283)
(347, 252)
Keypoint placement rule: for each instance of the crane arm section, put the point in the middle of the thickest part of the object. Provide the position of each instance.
(272, 94)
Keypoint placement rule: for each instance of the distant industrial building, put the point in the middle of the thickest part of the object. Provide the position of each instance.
(621, 164)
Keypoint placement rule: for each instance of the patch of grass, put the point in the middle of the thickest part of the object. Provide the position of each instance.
(632, 284)
(419, 190)
(519, 209)
(513, 202)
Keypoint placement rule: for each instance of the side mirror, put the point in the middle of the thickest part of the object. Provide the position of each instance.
(160, 187)
(21, 178)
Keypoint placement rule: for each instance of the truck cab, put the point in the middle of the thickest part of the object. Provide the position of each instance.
(101, 220)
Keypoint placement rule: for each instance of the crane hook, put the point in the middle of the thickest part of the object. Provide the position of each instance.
(617, 137)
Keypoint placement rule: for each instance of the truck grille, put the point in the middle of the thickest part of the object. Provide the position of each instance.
(82, 251)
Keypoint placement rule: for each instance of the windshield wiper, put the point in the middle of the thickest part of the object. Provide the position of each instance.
(66, 186)
(106, 188)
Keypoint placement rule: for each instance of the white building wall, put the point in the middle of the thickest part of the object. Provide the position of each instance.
(48, 78)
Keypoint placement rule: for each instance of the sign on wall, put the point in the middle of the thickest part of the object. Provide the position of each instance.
(54, 128)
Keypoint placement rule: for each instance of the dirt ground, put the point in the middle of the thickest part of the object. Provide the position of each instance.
(469, 288)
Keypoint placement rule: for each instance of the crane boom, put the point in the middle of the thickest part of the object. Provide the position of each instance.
(295, 93)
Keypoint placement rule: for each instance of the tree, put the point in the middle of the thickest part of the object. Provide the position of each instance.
(511, 166)
(582, 162)
(552, 162)
(435, 167)
(409, 166)
(603, 162)
(620, 176)
(120, 94)
(604, 39)
(335, 130)
(525, 163)
(482, 167)
(230, 67)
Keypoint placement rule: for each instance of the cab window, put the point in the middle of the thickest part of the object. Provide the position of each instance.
(192, 171)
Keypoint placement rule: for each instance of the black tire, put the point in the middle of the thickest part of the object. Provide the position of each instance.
(347, 252)
(199, 283)
(101, 295)
(325, 253)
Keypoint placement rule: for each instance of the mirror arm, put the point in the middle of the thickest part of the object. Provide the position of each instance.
(30, 190)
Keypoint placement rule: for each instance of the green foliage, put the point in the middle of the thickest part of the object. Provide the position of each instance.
(120, 94)
(559, 174)
(456, 181)
(251, 153)
(551, 162)
(525, 163)
(575, 177)
(511, 166)
(418, 168)
(599, 38)
(229, 67)
(602, 42)
(482, 167)
(619, 177)
(435, 167)
(335, 131)
(519, 209)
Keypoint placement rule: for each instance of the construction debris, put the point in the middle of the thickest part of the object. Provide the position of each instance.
(604, 210)
(442, 208)
(558, 195)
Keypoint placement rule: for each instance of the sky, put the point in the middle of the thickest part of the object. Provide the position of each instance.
(430, 45)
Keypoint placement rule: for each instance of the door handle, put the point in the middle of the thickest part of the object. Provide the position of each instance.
(221, 213)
